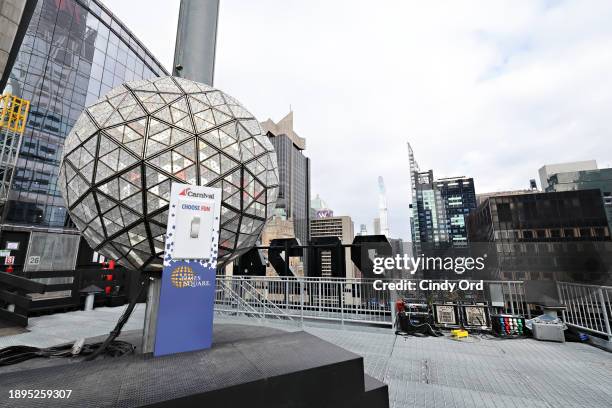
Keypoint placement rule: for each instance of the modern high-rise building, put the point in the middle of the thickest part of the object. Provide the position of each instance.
(458, 199)
(600, 179)
(293, 200)
(560, 235)
(549, 169)
(72, 53)
(382, 207)
(439, 208)
(15, 17)
(341, 227)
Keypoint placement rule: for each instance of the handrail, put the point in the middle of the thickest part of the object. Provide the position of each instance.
(264, 302)
(239, 299)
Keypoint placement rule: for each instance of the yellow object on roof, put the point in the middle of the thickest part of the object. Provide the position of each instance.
(459, 333)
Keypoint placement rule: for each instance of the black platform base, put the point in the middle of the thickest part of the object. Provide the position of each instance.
(246, 367)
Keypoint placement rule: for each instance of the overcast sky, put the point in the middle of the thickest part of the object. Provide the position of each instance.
(487, 89)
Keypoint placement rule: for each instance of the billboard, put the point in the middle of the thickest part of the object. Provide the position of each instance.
(185, 316)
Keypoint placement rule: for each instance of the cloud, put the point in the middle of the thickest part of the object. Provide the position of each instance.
(487, 89)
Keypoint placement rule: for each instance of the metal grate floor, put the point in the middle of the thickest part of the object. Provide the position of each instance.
(420, 372)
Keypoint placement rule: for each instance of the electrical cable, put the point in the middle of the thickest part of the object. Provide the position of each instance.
(423, 329)
(144, 284)
(110, 346)
(17, 354)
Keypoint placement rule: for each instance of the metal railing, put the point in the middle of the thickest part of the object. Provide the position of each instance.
(588, 307)
(240, 296)
(341, 299)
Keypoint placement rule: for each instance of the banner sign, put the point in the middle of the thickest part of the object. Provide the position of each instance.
(185, 315)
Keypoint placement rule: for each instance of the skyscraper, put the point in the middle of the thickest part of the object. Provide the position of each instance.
(293, 200)
(15, 17)
(382, 207)
(72, 53)
(439, 207)
(458, 199)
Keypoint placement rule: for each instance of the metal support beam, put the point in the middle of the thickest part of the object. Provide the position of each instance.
(150, 322)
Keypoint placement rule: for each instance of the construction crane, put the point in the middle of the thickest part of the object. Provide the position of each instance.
(13, 116)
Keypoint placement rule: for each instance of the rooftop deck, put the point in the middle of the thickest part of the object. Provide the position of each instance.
(420, 372)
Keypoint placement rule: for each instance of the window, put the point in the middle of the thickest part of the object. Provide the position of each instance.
(504, 213)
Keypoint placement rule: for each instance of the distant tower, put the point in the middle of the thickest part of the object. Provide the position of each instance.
(363, 230)
(376, 226)
(382, 207)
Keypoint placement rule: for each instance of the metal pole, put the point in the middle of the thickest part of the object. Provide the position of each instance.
(341, 289)
(605, 313)
(302, 303)
(150, 322)
(196, 40)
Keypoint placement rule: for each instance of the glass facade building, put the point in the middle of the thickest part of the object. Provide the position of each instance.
(458, 199)
(439, 208)
(600, 179)
(294, 179)
(73, 52)
(556, 235)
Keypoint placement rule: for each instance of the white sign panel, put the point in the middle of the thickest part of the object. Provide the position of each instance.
(34, 260)
(5, 252)
(9, 260)
(197, 210)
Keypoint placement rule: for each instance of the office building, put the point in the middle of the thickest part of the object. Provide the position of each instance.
(554, 235)
(15, 17)
(458, 199)
(363, 230)
(549, 169)
(376, 226)
(439, 208)
(341, 227)
(72, 53)
(280, 228)
(293, 200)
(600, 179)
(397, 246)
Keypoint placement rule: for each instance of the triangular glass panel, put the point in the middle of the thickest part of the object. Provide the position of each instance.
(215, 98)
(205, 150)
(187, 175)
(154, 177)
(212, 137)
(166, 84)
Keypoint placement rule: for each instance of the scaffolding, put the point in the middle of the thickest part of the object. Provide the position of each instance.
(13, 116)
